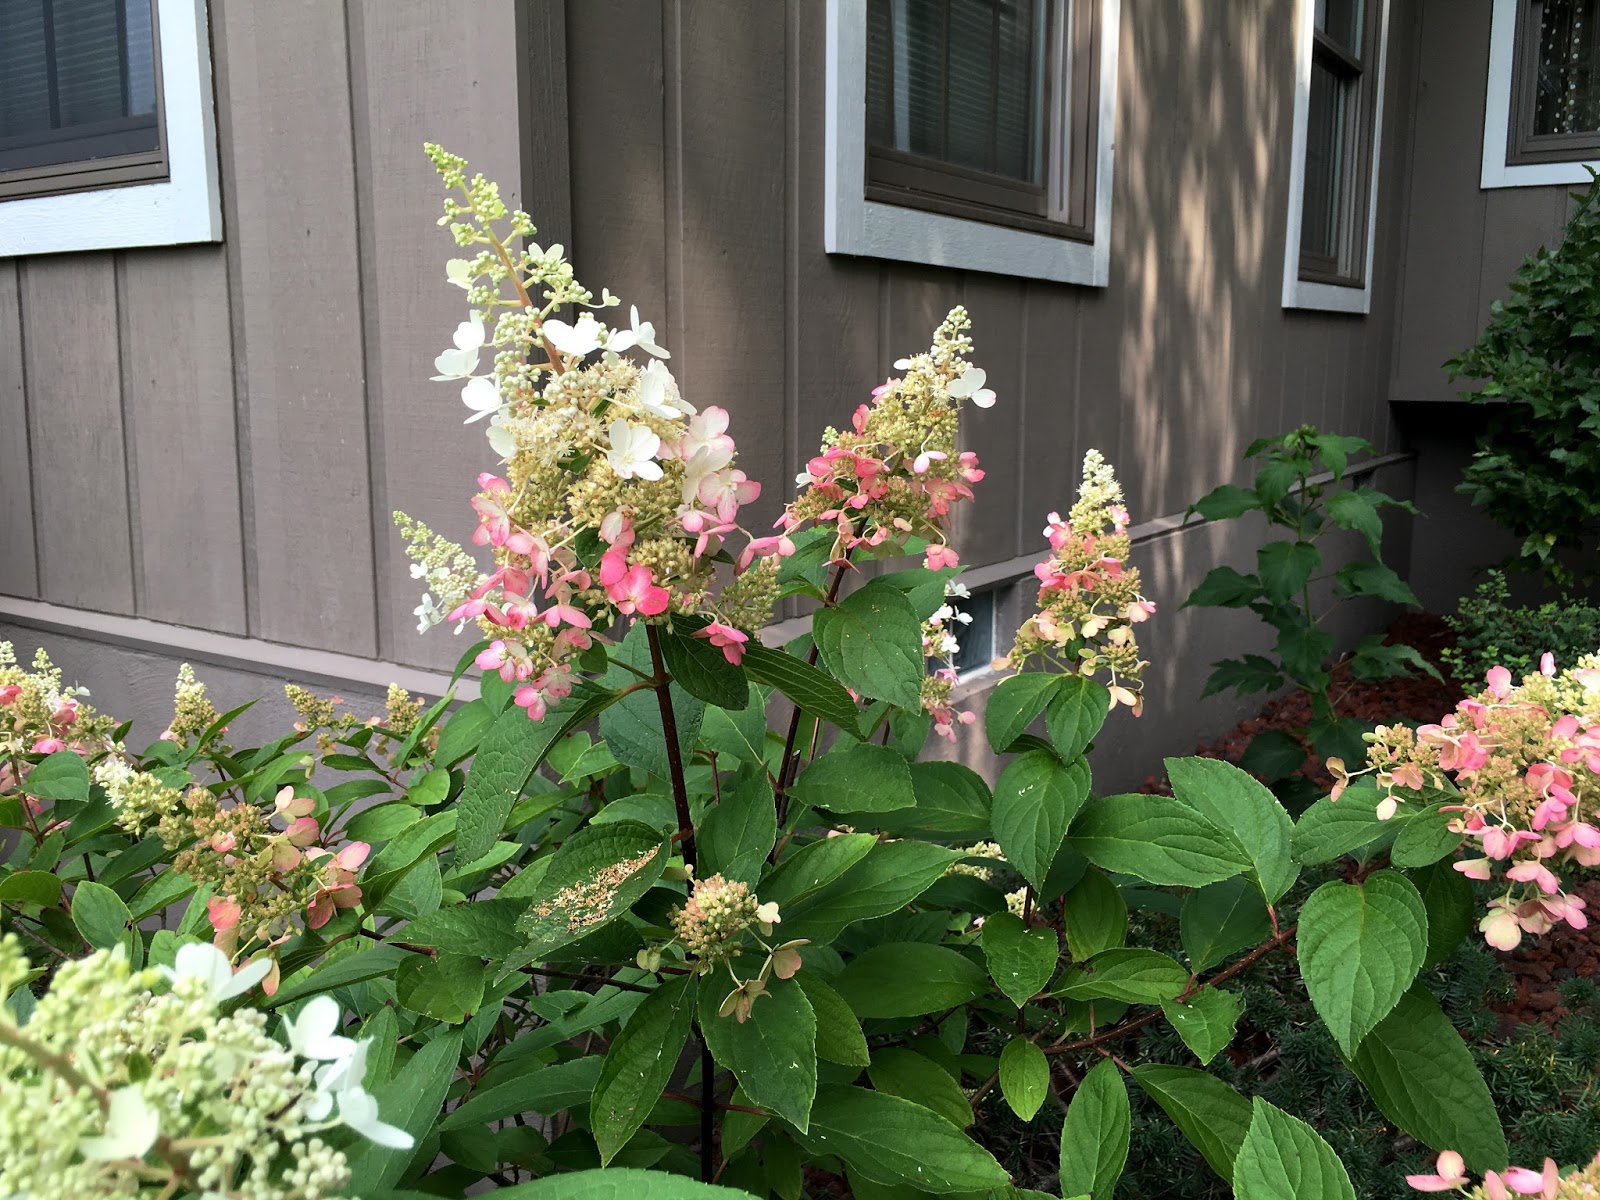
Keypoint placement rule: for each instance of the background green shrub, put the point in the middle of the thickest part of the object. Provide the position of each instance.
(1492, 631)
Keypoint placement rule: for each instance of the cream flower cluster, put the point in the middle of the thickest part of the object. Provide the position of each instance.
(940, 644)
(711, 927)
(1089, 598)
(1526, 762)
(123, 1083)
(895, 474)
(616, 494)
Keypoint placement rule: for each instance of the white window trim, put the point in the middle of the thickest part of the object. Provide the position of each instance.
(855, 225)
(1297, 292)
(185, 207)
(1497, 116)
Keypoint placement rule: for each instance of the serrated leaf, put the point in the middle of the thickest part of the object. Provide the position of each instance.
(1284, 568)
(1206, 1021)
(1367, 578)
(1035, 800)
(1355, 510)
(1224, 587)
(1273, 754)
(856, 777)
(545, 1090)
(1024, 1077)
(839, 1036)
(631, 727)
(952, 800)
(1245, 811)
(448, 988)
(1219, 919)
(1015, 704)
(1094, 1138)
(1283, 1158)
(411, 1100)
(872, 642)
(1213, 1116)
(891, 876)
(341, 972)
(100, 915)
(908, 979)
(1077, 711)
(1425, 838)
(485, 927)
(618, 1183)
(509, 753)
(1159, 839)
(892, 1141)
(1131, 974)
(811, 868)
(736, 836)
(1360, 945)
(463, 731)
(1021, 961)
(1330, 828)
(1252, 673)
(1097, 915)
(59, 776)
(1225, 502)
(31, 887)
(1423, 1078)
(773, 1054)
(910, 1075)
(702, 670)
(1448, 898)
(630, 855)
(639, 1064)
(813, 691)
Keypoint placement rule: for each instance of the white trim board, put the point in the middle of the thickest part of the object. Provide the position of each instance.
(1497, 117)
(1299, 293)
(852, 224)
(186, 207)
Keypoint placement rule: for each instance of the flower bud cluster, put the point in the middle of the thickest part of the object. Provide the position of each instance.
(1089, 598)
(266, 869)
(895, 474)
(710, 923)
(616, 494)
(120, 1085)
(192, 710)
(1525, 760)
(1547, 1183)
(39, 714)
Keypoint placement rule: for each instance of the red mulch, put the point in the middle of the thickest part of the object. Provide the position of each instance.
(1539, 965)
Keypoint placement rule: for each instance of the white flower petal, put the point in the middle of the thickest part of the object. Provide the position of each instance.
(481, 396)
(311, 1034)
(359, 1111)
(455, 364)
(132, 1127)
(457, 271)
(246, 978)
(578, 339)
(469, 334)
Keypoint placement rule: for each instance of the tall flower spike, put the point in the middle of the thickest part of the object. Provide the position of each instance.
(614, 496)
(1089, 597)
(895, 474)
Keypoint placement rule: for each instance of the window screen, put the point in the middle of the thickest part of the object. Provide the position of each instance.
(79, 84)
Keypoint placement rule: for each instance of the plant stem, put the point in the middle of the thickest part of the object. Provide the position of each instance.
(669, 729)
(790, 762)
(708, 1112)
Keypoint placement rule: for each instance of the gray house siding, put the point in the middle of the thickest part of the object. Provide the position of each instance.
(204, 444)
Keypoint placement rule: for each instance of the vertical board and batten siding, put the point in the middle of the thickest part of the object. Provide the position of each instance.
(213, 436)
(1463, 243)
(699, 187)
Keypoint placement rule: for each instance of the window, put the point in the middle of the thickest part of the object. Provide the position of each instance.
(1334, 181)
(77, 95)
(973, 133)
(106, 127)
(1542, 116)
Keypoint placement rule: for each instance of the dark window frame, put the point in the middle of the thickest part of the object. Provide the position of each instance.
(1062, 206)
(1348, 268)
(1523, 145)
(93, 174)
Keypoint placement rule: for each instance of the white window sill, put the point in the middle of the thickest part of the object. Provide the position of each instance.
(186, 207)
